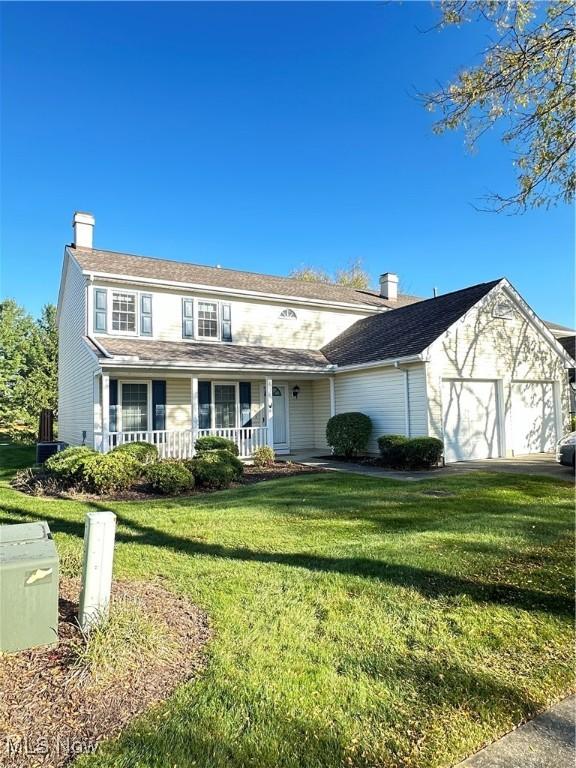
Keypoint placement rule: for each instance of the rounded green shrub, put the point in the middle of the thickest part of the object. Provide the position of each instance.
(348, 433)
(216, 469)
(145, 453)
(423, 452)
(263, 456)
(169, 477)
(67, 465)
(391, 449)
(107, 472)
(214, 443)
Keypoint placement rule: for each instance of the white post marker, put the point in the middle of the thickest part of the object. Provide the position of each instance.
(99, 533)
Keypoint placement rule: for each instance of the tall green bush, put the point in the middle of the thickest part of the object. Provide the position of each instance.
(145, 453)
(348, 433)
(214, 443)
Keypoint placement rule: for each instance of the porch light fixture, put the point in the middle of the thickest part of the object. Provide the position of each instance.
(295, 391)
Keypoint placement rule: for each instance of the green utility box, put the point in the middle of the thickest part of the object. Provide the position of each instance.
(28, 587)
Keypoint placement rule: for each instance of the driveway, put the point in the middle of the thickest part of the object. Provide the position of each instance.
(531, 464)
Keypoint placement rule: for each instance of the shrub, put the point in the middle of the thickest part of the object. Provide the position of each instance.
(348, 433)
(391, 449)
(169, 477)
(421, 452)
(410, 453)
(106, 472)
(263, 456)
(145, 453)
(214, 443)
(216, 469)
(36, 481)
(68, 465)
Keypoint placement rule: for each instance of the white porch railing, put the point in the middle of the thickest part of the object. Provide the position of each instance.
(179, 444)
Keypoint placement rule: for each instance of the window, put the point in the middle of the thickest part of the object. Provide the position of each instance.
(124, 312)
(134, 407)
(207, 319)
(288, 314)
(224, 405)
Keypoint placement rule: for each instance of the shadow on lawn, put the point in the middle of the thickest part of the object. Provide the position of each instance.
(429, 583)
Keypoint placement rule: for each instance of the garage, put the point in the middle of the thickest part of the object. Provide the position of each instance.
(470, 416)
(533, 417)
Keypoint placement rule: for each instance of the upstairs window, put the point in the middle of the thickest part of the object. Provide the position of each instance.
(207, 312)
(124, 312)
(288, 314)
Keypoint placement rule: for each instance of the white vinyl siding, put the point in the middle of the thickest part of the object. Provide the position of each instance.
(253, 322)
(178, 403)
(77, 365)
(301, 415)
(321, 388)
(418, 401)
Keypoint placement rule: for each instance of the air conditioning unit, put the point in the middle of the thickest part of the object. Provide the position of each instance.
(45, 450)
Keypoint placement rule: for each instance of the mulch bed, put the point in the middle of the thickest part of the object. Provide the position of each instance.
(251, 475)
(49, 714)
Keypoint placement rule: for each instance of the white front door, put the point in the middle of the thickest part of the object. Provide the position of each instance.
(280, 417)
(470, 420)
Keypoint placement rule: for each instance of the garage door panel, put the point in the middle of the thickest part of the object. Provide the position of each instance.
(533, 417)
(470, 420)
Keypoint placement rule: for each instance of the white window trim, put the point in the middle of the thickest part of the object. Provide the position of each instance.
(119, 412)
(195, 311)
(110, 301)
(236, 386)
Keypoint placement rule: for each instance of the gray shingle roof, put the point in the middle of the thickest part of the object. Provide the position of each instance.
(196, 353)
(405, 331)
(126, 264)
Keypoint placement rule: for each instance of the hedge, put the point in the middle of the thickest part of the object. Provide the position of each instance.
(216, 469)
(169, 476)
(410, 453)
(214, 443)
(146, 453)
(348, 433)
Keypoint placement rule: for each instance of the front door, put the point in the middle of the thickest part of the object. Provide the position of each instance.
(280, 428)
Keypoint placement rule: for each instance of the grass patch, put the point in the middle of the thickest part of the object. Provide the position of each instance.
(121, 642)
(357, 621)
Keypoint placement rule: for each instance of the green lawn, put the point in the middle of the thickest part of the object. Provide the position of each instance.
(358, 622)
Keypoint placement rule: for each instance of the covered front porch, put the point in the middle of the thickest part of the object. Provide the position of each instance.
(288, 413)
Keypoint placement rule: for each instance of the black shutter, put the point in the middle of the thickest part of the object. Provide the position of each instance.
(146, 314)
(245, 392)
(158, 404)
(100, 309)
(187, 318)
(204, 404)
(113, 398)
(226, 322)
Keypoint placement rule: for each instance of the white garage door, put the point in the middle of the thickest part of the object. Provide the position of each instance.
(533, 417)
(470, 420)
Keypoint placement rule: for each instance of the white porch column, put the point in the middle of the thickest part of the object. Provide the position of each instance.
(105, 411)
(269, 414)
(195, 420)
(332, 396)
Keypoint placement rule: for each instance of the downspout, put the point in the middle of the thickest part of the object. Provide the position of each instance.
(406, 399)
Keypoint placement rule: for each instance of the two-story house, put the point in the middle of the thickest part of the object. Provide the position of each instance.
(165, 351)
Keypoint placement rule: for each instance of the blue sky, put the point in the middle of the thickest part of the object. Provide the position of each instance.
(256, 136)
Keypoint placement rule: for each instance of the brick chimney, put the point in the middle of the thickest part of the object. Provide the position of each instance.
(389, 286)
(83, 226)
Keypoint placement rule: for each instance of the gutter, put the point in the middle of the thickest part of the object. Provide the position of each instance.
(395, 361)
(131, 362)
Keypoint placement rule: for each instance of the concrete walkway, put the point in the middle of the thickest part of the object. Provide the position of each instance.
(545, 742)
(533, 464)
